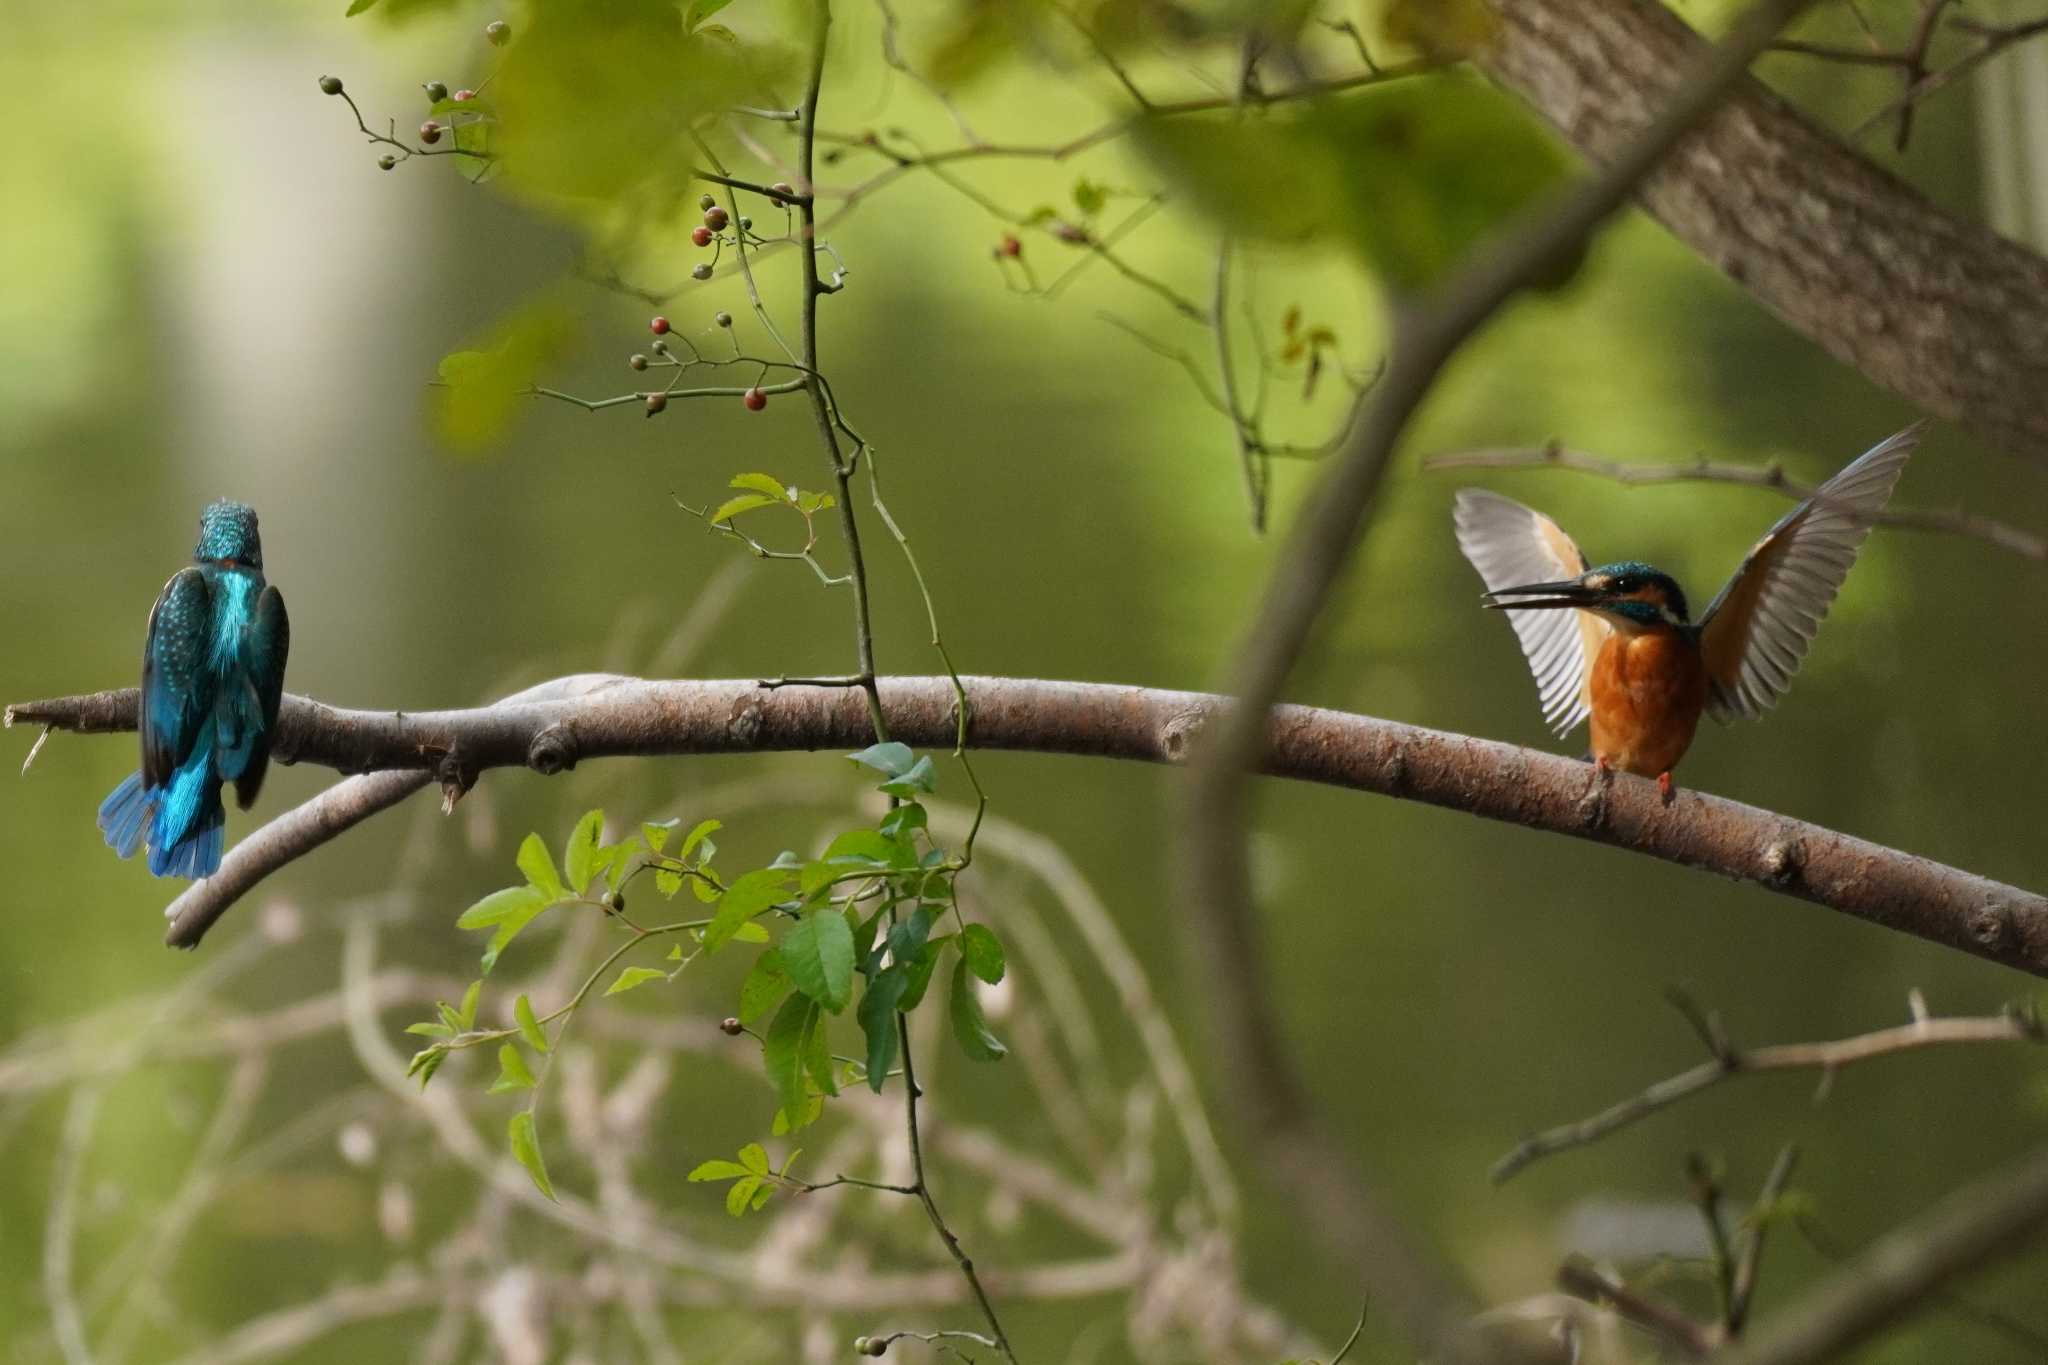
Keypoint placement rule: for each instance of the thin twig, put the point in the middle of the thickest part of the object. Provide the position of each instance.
(1579, 1277)
(1749, 1257)
(2016, 1025)
(1954, 521)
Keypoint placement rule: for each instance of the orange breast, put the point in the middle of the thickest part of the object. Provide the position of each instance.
(1648, 690)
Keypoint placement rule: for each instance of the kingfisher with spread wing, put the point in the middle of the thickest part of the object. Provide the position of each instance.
(1615, 644)
(212, 677)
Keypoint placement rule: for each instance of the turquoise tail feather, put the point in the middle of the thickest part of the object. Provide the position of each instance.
(124, 813)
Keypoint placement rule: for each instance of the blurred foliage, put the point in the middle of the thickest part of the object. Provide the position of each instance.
(1408, 175)
(482, 391)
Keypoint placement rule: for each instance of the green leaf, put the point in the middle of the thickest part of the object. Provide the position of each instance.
(898, 823)
(765, 484)
(634, 976)
(521, 901)
(656, 835)
(700, 835)
(888, 758)
(579, 856)
(748, 896)
(745, 502)
(512, 1071)
(918, 973)
(818, 955)
(782, 1049)
(918, 780)
(699, 11)
(868, 845)
(983, 952)
(510, 926)
(469, 998)
(766, 983)
(1089, 197)
(431, 1030)
(483, 389)
(529, 1026)
(356, 7)
(750, 932)
(526, 1151)
(817, 1055)
(1409, 175)
(969, 1027)
(667, 882)
(718, 1169)
(539, 866)
(807, 1114)
(877, 1016)
(907, 936)
(426, 1062)
(754, 1158)
(740, 1194)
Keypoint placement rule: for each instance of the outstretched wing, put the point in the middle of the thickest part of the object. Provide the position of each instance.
(269, 640)
(177, 687)
(1756, 631)
(1512, 545)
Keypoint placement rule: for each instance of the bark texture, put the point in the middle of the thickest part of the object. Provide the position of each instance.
(594, 716)
(1943, 312)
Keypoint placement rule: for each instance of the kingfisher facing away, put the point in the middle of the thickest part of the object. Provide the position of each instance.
(1615, 642)
(212, 674)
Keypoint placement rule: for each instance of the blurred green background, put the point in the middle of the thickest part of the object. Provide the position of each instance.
(208, 288)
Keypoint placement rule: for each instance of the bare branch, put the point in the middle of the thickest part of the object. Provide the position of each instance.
(2011, 1026)
(599, 716)
(1580, 1278)
(1772, 476)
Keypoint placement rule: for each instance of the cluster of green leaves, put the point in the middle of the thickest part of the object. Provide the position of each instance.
(863, 913)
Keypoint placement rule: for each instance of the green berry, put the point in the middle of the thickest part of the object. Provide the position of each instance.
(436, 91)
(386, 162)
(638, 362)
(722, 318)
(706, 202)
(700, 272)
(330, 85)
(499, 32)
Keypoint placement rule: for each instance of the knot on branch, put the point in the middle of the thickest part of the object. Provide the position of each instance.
(1988, 925)
(743, 723)
(1783, 861)
(553, 750)
(1178, 735)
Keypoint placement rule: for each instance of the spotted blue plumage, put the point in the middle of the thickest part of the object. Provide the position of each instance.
(212, 675)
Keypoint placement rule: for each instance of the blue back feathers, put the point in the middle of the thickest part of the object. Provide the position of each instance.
(212, 679)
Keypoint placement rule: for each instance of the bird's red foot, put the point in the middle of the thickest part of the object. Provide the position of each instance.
(1603, 767)
(1664, 788)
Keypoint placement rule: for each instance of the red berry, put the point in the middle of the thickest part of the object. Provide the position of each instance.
(1011, 246)
(715, 219)
(430, 132)
(659, 326)
(656, 402)
(701, 236)
(755, 400)
(465, 95)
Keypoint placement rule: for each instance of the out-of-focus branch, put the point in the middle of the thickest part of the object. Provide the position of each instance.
(2016, 1025)
(1954, 521)
(1215, 869)
(600, 716)
(1944, 312)
(1582, 1279)
(1903, 1270)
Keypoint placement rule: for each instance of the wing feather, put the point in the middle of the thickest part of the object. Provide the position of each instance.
(269, 641)
(177, 687)
(1511, 545)
(1755, 633)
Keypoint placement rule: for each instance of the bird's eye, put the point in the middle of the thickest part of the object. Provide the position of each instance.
(1625, 584)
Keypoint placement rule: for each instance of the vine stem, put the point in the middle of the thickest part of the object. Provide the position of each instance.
(823, 410)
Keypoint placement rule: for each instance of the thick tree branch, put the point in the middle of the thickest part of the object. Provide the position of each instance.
(1943, 312)
(1902, 1270)
(553, 726)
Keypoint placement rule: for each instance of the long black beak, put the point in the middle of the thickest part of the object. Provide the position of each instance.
(1530, 596)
